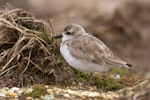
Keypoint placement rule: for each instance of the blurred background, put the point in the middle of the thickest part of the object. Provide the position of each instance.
(123, 25)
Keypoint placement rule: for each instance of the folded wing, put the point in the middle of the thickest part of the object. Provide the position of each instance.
(90, 49)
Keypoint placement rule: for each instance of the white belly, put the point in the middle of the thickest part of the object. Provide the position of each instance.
(83, 66)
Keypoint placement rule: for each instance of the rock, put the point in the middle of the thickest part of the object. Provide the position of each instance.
(14, 89)
(66, 95)
(3, 91)
(49, 97)
(93, 94)
(29, 90)
(50, 91)
(117, 76)
(29, 98)
(2, 95)
(12, 94)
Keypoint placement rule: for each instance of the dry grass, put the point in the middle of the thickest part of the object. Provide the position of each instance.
(27, 48)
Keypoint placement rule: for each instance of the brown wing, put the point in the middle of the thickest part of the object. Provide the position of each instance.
(89, 48)
(114, 61)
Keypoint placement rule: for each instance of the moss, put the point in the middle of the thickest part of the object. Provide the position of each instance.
(117, 71)
(81, 76)
(38, 91)
(107, 83)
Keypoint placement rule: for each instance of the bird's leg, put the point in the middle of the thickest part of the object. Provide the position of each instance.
(90, 79)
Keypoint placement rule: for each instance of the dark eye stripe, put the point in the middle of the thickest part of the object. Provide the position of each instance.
(68, 33)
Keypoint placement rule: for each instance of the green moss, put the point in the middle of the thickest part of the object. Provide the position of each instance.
(101, 82)
(107, 83)
(117, 71)
(81, 76)
(38, 91)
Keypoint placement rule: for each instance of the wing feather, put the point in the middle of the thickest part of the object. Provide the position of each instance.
(88, 48)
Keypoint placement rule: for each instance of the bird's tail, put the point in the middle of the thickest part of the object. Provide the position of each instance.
(116, 62)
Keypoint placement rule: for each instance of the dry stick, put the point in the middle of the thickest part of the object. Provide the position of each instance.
(8, 70)
(4, 53)
(11, 18)
(44, 47)
(24, 18)
(20, 77)
(131, 88)
(139, 94)
(51, 27)
(12, 58)
(36, 65)
(23, 32)
(29, 30)
(27, 64)
(11, 11)
(14, 49)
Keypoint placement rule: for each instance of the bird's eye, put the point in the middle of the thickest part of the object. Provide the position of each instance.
(68, 33)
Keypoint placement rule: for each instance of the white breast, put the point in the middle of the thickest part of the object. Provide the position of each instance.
(83, 66)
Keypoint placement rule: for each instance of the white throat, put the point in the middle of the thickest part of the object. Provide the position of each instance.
(65, 37)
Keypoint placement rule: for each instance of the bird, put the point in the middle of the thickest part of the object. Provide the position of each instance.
(85, 52)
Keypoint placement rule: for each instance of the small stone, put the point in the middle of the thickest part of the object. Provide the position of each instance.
(117, 76)
(2, 95)
(29, 90)
(14, 89)
(73, 83)
(80, 83)
(70, 91)
(46, 86)
(57, 92)
(49, 91)
(130, 93)
(49, 97)
(93, 94)
(12, 94)
(115, 95)
(20, 92)
(3, 91)
(29, 98)
(66, 95)
(5, 88)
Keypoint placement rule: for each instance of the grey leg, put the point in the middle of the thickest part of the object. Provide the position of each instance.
(90, 79)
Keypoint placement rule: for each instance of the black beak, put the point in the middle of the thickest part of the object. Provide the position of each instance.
(58, 36)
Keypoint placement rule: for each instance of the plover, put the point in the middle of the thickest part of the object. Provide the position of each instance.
(85, 52)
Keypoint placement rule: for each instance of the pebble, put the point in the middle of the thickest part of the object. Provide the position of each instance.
(53, 92)
(66, 95)
(3, 91)
(14, 89)
(130, 93)
(12, 95)
(2, 95)
(29, 90)
(29, 98)
(50, 91)
(117, 77)
(49, 97)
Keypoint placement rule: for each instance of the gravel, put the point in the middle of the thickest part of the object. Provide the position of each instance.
(68, 93)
